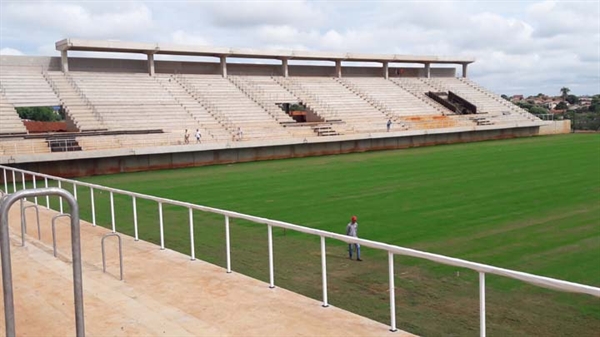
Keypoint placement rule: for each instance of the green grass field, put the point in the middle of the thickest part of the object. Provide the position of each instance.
(530, 204)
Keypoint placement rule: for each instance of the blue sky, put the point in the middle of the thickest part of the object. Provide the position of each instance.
(520, 46)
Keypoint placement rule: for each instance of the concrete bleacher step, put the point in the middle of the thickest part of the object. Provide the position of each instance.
(49, 311)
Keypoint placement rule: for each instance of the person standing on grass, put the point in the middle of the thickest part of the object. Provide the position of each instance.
(352, 230)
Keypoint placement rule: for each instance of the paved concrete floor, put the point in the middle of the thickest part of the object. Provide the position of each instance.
(164, 293)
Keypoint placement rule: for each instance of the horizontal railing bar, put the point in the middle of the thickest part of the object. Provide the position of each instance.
(542, 281)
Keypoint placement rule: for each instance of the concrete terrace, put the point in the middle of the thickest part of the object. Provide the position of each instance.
(164, 293)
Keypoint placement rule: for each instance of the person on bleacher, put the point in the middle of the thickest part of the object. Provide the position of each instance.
(198, 136)
(186, 137)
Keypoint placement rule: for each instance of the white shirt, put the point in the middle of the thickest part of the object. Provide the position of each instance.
(352, 229)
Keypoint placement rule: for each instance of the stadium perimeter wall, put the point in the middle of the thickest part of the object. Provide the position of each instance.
(86, 163)
(211, 68)
(556, 127)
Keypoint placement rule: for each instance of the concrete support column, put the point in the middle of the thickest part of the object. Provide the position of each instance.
(338, 68)
(427, 70)
(386, 72)
(64, 61)
(224, 66)
(464, 70)
(151, 64)
(284, 67)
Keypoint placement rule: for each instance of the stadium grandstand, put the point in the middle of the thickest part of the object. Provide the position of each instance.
(124, 104)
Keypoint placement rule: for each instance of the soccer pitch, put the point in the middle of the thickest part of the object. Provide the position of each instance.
(530, 204)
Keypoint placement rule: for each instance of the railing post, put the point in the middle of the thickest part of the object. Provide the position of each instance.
(227, 244)
(60, 201)
(7, 285)
(192, 249)
(35, 201)
(23, 229)
(162, 233)
(482, 304)
(14, 181)
(392, 293)
(112, 212)
(23, 180)
(135, 224)
(93, 206)
(5, 181)
(47, 196)
(74, 191)
(271, 271)
(24, 221)
(120, 254)
(324, 272)
(54, 230)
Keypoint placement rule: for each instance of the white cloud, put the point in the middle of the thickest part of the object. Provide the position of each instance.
(181, 37)
(10, 51)
(524, 46)
(256, 13)
(74, 20)
(552, 18)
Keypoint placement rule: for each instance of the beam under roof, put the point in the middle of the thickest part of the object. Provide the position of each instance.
(169, 49)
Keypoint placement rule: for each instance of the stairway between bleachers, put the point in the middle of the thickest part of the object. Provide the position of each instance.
(77, 108)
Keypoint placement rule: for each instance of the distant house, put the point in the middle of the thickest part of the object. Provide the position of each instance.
(516, 98)
(585, 100)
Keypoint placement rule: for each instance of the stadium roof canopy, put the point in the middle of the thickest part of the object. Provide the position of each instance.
(169, 49)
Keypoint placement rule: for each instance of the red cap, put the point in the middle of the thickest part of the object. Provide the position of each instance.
(354, 218)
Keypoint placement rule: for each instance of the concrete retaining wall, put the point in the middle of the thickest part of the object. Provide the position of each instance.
(556, 127)
(157, 161)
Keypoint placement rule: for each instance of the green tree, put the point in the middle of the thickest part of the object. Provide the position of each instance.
(505, 97)
(565, 92)
(561, 106)
(595, 105)
(584, 120)
(538, 110)
(297, 107)
(572, 99)
(524, 105)
(40, 114)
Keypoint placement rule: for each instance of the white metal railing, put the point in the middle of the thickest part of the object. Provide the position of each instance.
(392, 250)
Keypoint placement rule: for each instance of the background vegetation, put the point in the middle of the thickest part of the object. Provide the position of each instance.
(40, 114)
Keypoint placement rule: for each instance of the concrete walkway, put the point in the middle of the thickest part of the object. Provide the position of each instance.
(164, 293)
